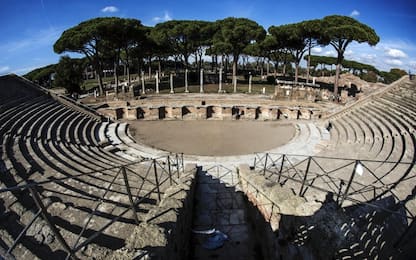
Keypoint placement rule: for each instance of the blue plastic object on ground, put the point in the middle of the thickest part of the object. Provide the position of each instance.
(214, 241)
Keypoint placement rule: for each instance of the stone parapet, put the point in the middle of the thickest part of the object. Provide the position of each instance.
(166, 229)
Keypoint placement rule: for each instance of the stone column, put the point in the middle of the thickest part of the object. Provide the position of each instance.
(201, 81)
(157, 82)
(186, 81)
(220, 82)
(313, 80)
(250, 78)
(143, 86)
(171, 84)
(235, 83)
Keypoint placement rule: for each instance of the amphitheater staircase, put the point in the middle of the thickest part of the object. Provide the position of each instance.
(220, 205)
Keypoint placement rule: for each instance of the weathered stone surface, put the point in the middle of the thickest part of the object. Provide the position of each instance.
(165, 232)
(147, 235)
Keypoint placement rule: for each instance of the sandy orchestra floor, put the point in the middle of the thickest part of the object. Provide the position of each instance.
(212, 138)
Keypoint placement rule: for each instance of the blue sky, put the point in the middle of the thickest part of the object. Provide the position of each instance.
(30, 27)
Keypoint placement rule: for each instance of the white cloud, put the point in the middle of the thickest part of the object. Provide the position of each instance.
(395, 53)
(109, 9)
(354, 13)
(330, 53)
(316, 50)
(4, 69)
(396, 44)
(166, 17)
(349, 53)
(393, 62)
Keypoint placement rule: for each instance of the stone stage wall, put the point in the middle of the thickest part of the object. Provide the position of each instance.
(210, 112)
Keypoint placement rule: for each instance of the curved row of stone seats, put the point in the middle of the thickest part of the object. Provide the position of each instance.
(381, 129)
(41, 140)
(381, 133)
(116, 136)
(16, 89)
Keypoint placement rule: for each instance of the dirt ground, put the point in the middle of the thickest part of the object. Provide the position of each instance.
(212, 138)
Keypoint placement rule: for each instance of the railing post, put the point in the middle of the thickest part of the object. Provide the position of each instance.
(265, 165)
(157, 180)
(16, 241)
(357, 162)
(177, 164)
(281, 168)
(47, 219)
(169, 171)
(183, 167)
(133, 207)
(305, 176)
(341, 183)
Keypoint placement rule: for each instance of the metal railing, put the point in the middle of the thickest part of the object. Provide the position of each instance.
(356, 181)
(137, 188)
(350, 180)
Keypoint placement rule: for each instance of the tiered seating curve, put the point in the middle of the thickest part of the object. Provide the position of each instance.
(45, 141)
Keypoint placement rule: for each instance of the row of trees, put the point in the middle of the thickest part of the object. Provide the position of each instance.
(111, 41)
(315, 60)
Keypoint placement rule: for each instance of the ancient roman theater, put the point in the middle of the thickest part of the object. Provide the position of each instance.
(201, 176)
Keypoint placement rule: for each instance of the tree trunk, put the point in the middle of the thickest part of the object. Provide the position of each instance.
(186, 58)
(128, 73)
(200, 60)
(267, 68)
(115, 78)
(308, 65)
(159, 65)
(196, 62)
(100, 82)
(150, 67)
(336, 79)
(276, 65)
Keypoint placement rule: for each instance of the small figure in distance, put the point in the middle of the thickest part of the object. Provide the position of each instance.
(329, 126)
